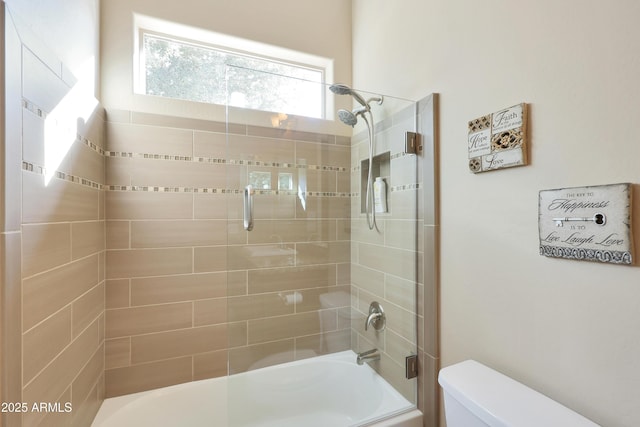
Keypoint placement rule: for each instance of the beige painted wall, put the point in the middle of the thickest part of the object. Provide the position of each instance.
(317, 28)
(566, 328)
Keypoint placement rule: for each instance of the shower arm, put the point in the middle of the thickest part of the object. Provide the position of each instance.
(377, 99)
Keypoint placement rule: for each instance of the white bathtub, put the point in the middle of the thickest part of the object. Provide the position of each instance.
(325, 391)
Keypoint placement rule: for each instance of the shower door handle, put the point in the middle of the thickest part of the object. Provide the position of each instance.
(248, 208)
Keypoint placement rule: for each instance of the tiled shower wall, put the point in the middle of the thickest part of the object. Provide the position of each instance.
(187, 286)
(429, 299)
(397, 265)
(53, 326)
(385, 265)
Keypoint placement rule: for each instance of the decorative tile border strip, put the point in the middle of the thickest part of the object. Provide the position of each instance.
(30, 167)
(28, 105)
(406, 187)
(152, 189)
(223, 161)
(398, 155)
(35, 109)
(38, 169)
(91, 145)
(391, 157)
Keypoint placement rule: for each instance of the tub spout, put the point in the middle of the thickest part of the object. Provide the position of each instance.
(368, 356)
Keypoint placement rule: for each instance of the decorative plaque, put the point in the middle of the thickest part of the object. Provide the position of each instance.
(587, 223)
(498, 140)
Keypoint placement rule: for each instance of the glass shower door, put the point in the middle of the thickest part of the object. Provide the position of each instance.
(385, 259)
(302, 265)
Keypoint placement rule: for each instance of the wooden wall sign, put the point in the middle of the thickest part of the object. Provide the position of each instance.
(587, 223)
(498, 140)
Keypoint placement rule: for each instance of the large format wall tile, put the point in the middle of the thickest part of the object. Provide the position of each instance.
(87, 238)
(210, 365)
(57, 201)
(147, 319)
(148, 262)
(292, 278)
(46, 293)
(117, 352)
(147, 376)
(143, 205)
(45, 246)
(210, 312)
(127, 138)
(187, 287)
(43, 342)
(184, 342)
(186, 283)
(55, 378)
(165, 234)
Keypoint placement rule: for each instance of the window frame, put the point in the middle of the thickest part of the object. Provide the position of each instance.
(228, 44)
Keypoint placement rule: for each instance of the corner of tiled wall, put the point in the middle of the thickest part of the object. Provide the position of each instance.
(53, 256)
(429, 394)
(10, 234)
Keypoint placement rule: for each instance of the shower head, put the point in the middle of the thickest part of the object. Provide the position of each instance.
(347, 117)
(340, 89)
(350, 118)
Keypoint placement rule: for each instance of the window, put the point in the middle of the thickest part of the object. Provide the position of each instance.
(199, 70)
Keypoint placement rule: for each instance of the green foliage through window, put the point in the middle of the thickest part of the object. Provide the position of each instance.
(182, 70)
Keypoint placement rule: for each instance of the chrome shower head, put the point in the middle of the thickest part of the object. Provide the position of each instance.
(340, 89)
(350, 118)
(347, 117)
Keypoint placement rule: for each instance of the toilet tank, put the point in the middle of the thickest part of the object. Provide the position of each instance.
(478, 396)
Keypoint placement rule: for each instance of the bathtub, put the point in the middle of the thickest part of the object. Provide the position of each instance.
(324, 391)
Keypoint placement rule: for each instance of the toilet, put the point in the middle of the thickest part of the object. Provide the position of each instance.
(478, 396)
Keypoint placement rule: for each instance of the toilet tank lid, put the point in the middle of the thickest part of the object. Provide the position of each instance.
(503, 402)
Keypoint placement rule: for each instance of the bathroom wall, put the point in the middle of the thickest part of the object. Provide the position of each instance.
(53, 258)
(185, 287)
(566, 328)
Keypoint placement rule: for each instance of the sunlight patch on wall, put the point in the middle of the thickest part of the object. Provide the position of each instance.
(68, 117)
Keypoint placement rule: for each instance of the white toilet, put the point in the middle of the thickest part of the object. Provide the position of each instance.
(478, 396)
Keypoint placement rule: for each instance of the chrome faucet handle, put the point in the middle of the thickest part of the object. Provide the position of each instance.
(376, 317)
(371, 318)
